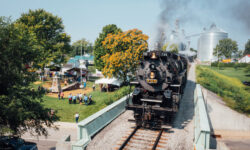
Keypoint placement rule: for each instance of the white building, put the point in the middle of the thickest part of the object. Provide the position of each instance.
(245, 59)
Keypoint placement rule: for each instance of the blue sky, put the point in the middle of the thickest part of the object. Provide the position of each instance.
(85, 18)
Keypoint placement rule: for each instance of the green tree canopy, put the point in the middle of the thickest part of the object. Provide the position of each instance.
(124, 51)
(20, 105)
(49, 31)
(86, 47)
(193, 50)
(170, 47)
(247, 48)
(99, 49)
(226, 48)
(165, 46)
(174, 48)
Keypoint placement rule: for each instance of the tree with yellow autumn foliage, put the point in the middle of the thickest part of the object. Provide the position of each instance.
(124, 51)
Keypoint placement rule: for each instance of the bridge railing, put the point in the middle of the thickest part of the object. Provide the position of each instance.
(201, 126)
(94, 123)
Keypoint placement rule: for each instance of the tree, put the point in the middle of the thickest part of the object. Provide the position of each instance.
(239, 54)
(124, 51)
(86, 47)
(165, 46)
(20, 105)
(99, 49)
(49, 31)
(225, 48)
(193, 50)
(174, 48)
(247, 48)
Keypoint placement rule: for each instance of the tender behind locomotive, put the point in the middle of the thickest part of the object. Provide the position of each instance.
(161, 78)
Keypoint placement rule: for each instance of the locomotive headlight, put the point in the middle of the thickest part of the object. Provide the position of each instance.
(152, 75)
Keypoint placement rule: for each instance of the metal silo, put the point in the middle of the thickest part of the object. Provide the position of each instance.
(208, 41)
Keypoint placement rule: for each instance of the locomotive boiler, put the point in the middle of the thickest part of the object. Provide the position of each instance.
(160, 81)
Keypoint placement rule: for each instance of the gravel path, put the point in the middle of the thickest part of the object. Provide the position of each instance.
(218, 110)
(111, 135)
(231, 127)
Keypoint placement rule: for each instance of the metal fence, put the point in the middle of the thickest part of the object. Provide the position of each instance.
(201, 126)
(94, 123)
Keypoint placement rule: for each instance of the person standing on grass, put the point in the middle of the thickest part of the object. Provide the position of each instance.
(59, 94)
(85, 99)
(77, 117)
(90, 99)
(80, 98)
(84, 85)
(74, 99)
(70, 98)
(77, 96)
(62, 95)
(93, 87)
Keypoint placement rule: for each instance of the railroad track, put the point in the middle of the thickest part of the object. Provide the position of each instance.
(144, 139)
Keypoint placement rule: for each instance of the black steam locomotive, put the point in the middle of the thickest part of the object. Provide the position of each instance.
(161, 78)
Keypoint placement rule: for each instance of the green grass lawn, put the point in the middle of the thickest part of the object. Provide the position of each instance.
(231, 72)
(67, 111)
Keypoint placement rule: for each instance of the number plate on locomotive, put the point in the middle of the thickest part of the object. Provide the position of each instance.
(151, 81)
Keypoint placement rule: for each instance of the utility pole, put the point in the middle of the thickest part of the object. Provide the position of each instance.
(81, 86)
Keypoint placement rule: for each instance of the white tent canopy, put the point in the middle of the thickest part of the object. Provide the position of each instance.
(112, 81)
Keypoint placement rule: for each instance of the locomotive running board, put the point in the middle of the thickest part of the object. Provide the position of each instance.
(134, 82)
(175, 85)
(136, 107)
(151, 100)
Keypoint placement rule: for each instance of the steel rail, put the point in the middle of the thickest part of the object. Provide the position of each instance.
(127, 140)
(157, 139)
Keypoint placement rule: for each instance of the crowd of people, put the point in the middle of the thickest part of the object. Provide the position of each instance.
(81, 98)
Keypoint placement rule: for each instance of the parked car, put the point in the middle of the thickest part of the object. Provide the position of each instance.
(16, 143)
(246, 83)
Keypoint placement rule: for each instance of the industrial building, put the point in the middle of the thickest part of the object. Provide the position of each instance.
(208, 41)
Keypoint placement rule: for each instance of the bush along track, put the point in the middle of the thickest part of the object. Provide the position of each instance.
(234, 93)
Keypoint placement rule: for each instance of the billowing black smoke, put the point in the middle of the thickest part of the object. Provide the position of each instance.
(183, 10)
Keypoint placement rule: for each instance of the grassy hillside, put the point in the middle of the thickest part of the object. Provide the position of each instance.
(234, 93)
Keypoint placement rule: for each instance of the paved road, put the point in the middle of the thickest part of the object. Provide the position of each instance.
(238, 144)
(45, 144)
(231, 126)
(49, 142)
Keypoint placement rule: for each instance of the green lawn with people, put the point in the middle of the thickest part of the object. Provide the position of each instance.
(67, 111)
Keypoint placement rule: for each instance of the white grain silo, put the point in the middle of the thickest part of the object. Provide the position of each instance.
(208, 41)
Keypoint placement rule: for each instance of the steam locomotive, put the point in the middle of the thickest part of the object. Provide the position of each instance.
(160, 81)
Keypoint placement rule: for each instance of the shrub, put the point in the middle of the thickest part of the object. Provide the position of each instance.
(108, 100)
(237, 65)
(247, 69)
(233, 92)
